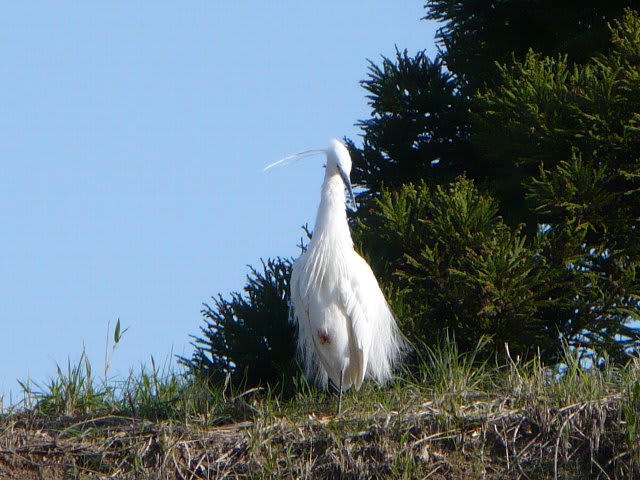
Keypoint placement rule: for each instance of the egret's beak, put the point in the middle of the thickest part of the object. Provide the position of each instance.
(347, 182)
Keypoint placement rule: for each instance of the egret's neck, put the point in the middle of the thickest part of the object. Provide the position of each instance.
(331, 221)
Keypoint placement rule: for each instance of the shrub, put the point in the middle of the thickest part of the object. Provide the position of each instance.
(248, 338)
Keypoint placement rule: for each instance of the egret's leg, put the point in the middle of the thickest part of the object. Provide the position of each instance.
(340, 391)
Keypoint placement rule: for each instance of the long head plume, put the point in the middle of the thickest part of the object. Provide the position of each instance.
(342, 162)
(294, 157)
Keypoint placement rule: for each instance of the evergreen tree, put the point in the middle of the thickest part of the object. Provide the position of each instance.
(573, 133)
(460, 268)
(248, 338)
(562, 143)
(501, 191)
(417, 127)
(421, 109)
(476, 36)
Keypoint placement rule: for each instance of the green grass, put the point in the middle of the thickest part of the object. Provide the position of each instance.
(71, 391)
(452, 377)
(453, 416)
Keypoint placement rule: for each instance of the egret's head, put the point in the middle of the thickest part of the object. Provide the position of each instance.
(339, 161)
(338, 158)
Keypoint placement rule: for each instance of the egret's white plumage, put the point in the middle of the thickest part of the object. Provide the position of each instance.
(346, 330)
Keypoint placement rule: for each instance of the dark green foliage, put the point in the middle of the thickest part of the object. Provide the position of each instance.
(554, 149)
(573, 133)
(460, 269)
(501, 192)
(417, 128)
(477, 34)
(248, 337)
(421, 124)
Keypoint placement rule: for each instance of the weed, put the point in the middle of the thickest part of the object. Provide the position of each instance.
(631, 408)
(456, 416)
(71, 392)
(452, 376)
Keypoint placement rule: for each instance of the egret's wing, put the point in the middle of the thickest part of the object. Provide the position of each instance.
(373, 323)
(360, 331)
(299, 316)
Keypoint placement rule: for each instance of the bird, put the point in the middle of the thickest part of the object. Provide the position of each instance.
(346, 329)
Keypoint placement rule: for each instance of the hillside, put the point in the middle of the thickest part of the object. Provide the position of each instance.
(452, 420)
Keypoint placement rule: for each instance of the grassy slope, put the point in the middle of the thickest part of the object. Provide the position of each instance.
(454, 419)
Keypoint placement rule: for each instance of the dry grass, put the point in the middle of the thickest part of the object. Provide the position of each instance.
(486, 439)
(519, 421)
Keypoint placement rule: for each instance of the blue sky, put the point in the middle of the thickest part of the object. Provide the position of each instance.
(132, 141)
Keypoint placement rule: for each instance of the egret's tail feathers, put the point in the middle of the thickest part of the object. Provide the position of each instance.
(293, 158)
(388, 347)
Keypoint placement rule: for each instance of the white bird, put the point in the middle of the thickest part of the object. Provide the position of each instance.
(346, 330)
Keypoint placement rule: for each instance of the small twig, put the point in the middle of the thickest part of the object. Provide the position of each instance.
(177, 468)
(188, 457)
(562, 427)
(617, 457)
(515, 437)
(248, 392)
(435, 436)
(94, 421)
(434, 471)
(593, 460)
(528, 445)
(522, 471)
(506, 446)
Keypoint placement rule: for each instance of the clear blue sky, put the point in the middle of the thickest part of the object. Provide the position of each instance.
(132, 138)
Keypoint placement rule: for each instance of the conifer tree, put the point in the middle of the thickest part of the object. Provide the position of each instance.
(248, 338)
(476, 36)
(556, 145)
(501, 191)
(421, 109)
(460, 269)
(573, 133)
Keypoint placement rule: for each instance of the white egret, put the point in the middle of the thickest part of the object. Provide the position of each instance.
(346, 330)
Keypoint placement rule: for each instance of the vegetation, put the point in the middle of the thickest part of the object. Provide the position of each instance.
(543, 247)
(500, 209)
(477, 36)
(573, 138)
(452, 417)
(500, 199)
(461, 269)
(248, 339)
